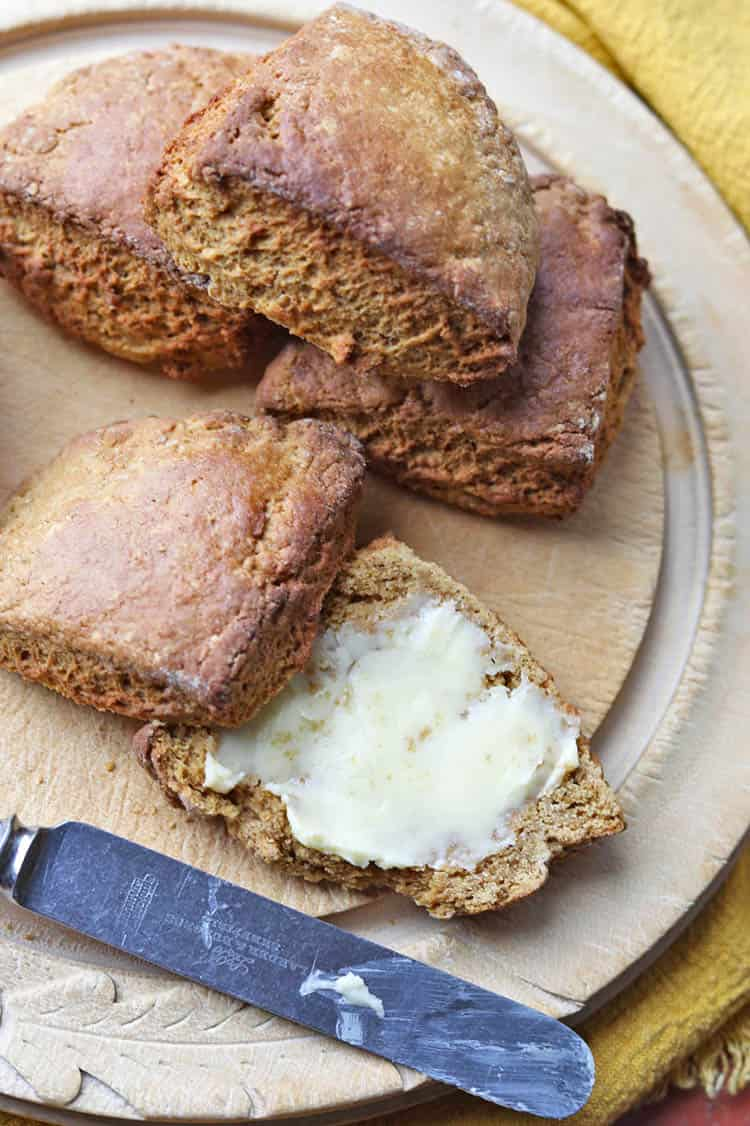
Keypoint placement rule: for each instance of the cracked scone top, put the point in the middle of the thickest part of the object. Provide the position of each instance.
(73, 170)
(358, 187)
(177, 569)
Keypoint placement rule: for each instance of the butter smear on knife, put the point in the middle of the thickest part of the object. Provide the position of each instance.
(349, 985)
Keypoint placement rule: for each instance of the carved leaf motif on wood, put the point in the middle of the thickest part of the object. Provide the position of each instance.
(166, 1048)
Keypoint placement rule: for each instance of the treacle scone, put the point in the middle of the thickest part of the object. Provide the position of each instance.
(176, 569)
(421, 749)
(531, 440)
(73, 170)
(358, 187)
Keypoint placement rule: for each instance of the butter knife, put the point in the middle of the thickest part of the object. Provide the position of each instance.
(318, 975)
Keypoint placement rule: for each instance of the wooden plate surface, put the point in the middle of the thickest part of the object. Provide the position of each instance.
(636, 605)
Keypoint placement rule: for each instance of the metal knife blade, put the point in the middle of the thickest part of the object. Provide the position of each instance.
(219, 935)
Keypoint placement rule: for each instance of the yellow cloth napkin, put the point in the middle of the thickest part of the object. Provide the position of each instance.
(691, 61)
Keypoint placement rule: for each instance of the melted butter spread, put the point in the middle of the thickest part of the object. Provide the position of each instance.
(400, 745)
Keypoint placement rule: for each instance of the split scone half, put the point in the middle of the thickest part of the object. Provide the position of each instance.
(177, 569)
(421, 749)
(73, 170)
(531, 440)
(358, 187)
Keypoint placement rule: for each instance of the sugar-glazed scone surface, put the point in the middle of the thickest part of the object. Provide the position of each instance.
(531, 440)
(177, 569)
(73, 170)
(581, 808)
(358, 187)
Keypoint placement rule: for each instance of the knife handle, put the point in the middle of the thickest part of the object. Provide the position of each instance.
(15, 842)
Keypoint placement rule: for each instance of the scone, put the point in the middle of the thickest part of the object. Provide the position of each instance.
(73, 170)
(358, 187)
(177, 569)
(422, 749)
(531, 440)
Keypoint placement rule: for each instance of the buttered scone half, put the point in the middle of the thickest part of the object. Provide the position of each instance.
(177, 569)
(358, 187)
(532, 440)
(73, 170)
(421, 748)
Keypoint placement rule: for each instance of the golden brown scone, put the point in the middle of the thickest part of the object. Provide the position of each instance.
(73, 170)
(358, 187)
(530, 441)
(177, 569)
(579, 810)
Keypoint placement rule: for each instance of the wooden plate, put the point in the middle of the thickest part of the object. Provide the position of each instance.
(636, 605)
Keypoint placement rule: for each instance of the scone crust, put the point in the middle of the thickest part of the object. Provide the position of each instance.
(388, 138)
(581, 809)
(531, 440)
(73, 170)
(176, 569)
(129, 108)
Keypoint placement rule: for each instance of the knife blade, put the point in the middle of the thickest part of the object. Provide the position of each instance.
(219, 935)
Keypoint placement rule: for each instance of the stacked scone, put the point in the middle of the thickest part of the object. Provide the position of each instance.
(390, 225)
(531, 439)
(355, 716)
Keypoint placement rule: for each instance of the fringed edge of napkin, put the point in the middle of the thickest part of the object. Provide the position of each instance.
(720, 1066)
